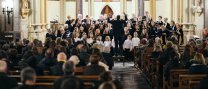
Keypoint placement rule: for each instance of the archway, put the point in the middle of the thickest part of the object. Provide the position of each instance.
(107, 10)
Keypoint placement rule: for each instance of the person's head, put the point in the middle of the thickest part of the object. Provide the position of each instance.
(158, 48)
(49, 53)
(135, 34)
(188, 51)
(172, 23)
(74, 51)
(3, 66)
(159, 18)
(165, 19)
(107, 38)
(68, 17)
(71, 83)
(68, 68)
(94, 59)
(129, 37)
(106, 76)
(61, 57)
(28, 76)
(199, 58)
(107, 85)
(169, 44)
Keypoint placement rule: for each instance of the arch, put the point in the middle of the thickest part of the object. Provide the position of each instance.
(107, 10)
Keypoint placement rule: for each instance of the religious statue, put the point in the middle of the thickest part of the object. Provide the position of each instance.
(25, 8)
(24, 4)
(197, 8)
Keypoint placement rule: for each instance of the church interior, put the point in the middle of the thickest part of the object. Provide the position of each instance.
(103, 44)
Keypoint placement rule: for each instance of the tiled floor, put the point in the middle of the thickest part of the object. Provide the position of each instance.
(130, 77)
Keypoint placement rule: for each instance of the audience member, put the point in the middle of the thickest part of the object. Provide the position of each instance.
(28, 79)
(68, 80)
(5, 81)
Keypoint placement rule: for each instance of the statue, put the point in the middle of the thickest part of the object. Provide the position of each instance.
(25, 8)
(197, 8)
(24, 4)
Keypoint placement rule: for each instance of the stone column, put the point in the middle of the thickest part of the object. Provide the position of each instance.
(91, 7)
(62, 11)
(141, 7)
(153, 9)
(125, 6)
(79, 7)
(206, 13)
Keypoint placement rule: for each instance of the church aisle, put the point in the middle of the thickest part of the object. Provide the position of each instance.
(130, 77)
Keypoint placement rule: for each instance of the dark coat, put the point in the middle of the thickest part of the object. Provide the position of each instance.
(94, 69)
(58, 82)
(118, 27)
(6, 82)
(57, 69)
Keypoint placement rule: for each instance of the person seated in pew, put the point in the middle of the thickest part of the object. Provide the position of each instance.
(71, 83)
(74, 56)
(5, 81)
(107, 85)
(101, 62)
(187, 55)
(173, 63)
(83, 56)
(198, 64)
(107, 77)
(57, 69)
(94, 68)
(49, 60)
(63, 82)
(28, 79)
(155, 55)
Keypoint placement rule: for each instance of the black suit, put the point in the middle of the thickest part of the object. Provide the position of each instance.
(57, 84)
(57, 69)
(118, 33)
(94, 69)
(6, 82)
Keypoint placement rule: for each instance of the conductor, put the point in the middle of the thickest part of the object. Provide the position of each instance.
(118, 32)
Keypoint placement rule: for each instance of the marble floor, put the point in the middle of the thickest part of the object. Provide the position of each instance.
(130, 77)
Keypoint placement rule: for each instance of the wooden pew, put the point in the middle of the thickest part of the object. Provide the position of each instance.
(174, 75)
(193, 84)
(77, 70)
(46, 82)
(185, 78)
(47, 85)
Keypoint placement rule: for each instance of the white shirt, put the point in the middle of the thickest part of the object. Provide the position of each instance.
(135, 41)
(107, 44)
(99, 42)
(89, 40)
(127, 44)
(77, 39)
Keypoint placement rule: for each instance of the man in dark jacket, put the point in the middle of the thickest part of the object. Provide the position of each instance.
(118, 32)
(5, 81)
(57, 69)
(94, 68)
(68, 69)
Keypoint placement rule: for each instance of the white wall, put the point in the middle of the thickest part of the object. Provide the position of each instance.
(85, 8)
(129, 9)
(98, 7)
(147, 6)
(163, 8)
(53, 8)
(71, 9)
